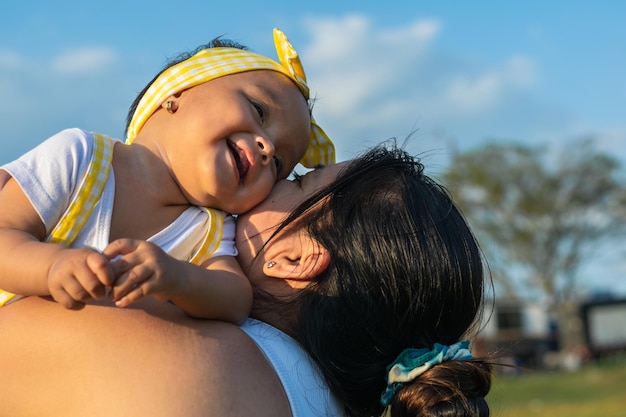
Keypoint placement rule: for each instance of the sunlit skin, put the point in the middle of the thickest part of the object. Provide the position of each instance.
(285, 196)
(223, 145)
(129, 361)
(230, 139)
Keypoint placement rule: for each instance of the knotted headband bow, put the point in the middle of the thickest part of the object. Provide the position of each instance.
(411, 363)
(212, 63)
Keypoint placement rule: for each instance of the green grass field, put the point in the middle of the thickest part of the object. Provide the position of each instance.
(593, 391)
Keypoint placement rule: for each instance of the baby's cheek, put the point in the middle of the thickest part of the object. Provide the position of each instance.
(260, 192)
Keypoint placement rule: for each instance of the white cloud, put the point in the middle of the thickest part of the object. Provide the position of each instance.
(84, 60)
(482, 92)
(335, 39)
(374, 83)
(356, 68)
(422, 31)
(10, 60)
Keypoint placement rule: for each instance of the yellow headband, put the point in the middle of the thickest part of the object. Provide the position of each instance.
(212, 63)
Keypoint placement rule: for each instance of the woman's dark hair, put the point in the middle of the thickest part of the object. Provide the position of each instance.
(405, 271)
(215, 43)
(453, 388)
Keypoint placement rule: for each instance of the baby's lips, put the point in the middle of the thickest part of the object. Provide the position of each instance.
(241, 159)
(243, 164)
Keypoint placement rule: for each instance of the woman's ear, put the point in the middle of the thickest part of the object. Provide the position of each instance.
(298, 263)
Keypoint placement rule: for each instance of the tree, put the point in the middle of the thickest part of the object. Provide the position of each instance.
(539, 216)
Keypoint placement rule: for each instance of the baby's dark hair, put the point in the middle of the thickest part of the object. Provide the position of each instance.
(218, 42)
(405, 272)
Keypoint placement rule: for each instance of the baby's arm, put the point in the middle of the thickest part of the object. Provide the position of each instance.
(31, 267)
(217, 290)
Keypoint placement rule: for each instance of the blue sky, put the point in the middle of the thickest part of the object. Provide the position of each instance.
(461, 73)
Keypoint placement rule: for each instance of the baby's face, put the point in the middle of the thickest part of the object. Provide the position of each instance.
(238, 135)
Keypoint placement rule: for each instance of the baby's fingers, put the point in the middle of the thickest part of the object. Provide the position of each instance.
(101, 268)
(71, 295)
(120, 247)
(134, 295)
(129, 282)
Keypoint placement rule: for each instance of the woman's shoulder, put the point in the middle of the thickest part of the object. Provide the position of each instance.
(152, 360)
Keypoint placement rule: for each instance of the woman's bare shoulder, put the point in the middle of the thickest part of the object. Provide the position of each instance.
(152, 360)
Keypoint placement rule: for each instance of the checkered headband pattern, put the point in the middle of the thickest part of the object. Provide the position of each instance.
(212, 63)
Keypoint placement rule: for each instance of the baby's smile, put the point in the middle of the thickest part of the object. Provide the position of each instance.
(243, 165)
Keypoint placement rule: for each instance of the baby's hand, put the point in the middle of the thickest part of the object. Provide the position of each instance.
(142, 269)
(78, 275)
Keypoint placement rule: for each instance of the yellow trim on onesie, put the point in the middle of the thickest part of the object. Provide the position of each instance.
(90, 189)
(213, 238)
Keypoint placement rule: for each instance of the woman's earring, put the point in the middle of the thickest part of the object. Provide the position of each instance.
(168, 107)
(270, 264)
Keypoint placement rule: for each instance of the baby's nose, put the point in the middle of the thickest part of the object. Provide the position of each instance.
(266, 147)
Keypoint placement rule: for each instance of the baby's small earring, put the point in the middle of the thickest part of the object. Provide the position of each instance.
(270, 264)
(169, 108)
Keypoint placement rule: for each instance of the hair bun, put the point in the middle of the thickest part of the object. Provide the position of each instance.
(455, 388)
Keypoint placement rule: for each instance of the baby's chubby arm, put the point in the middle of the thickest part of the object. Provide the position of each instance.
(29, 266)
(217, 290)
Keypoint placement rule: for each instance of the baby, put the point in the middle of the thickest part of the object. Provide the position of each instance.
(82, 214)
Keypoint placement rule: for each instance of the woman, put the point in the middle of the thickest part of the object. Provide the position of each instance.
(357, 262)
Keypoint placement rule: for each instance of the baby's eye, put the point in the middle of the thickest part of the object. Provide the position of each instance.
(260, 109)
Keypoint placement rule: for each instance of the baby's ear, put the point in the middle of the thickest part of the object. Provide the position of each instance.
(170, 104)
